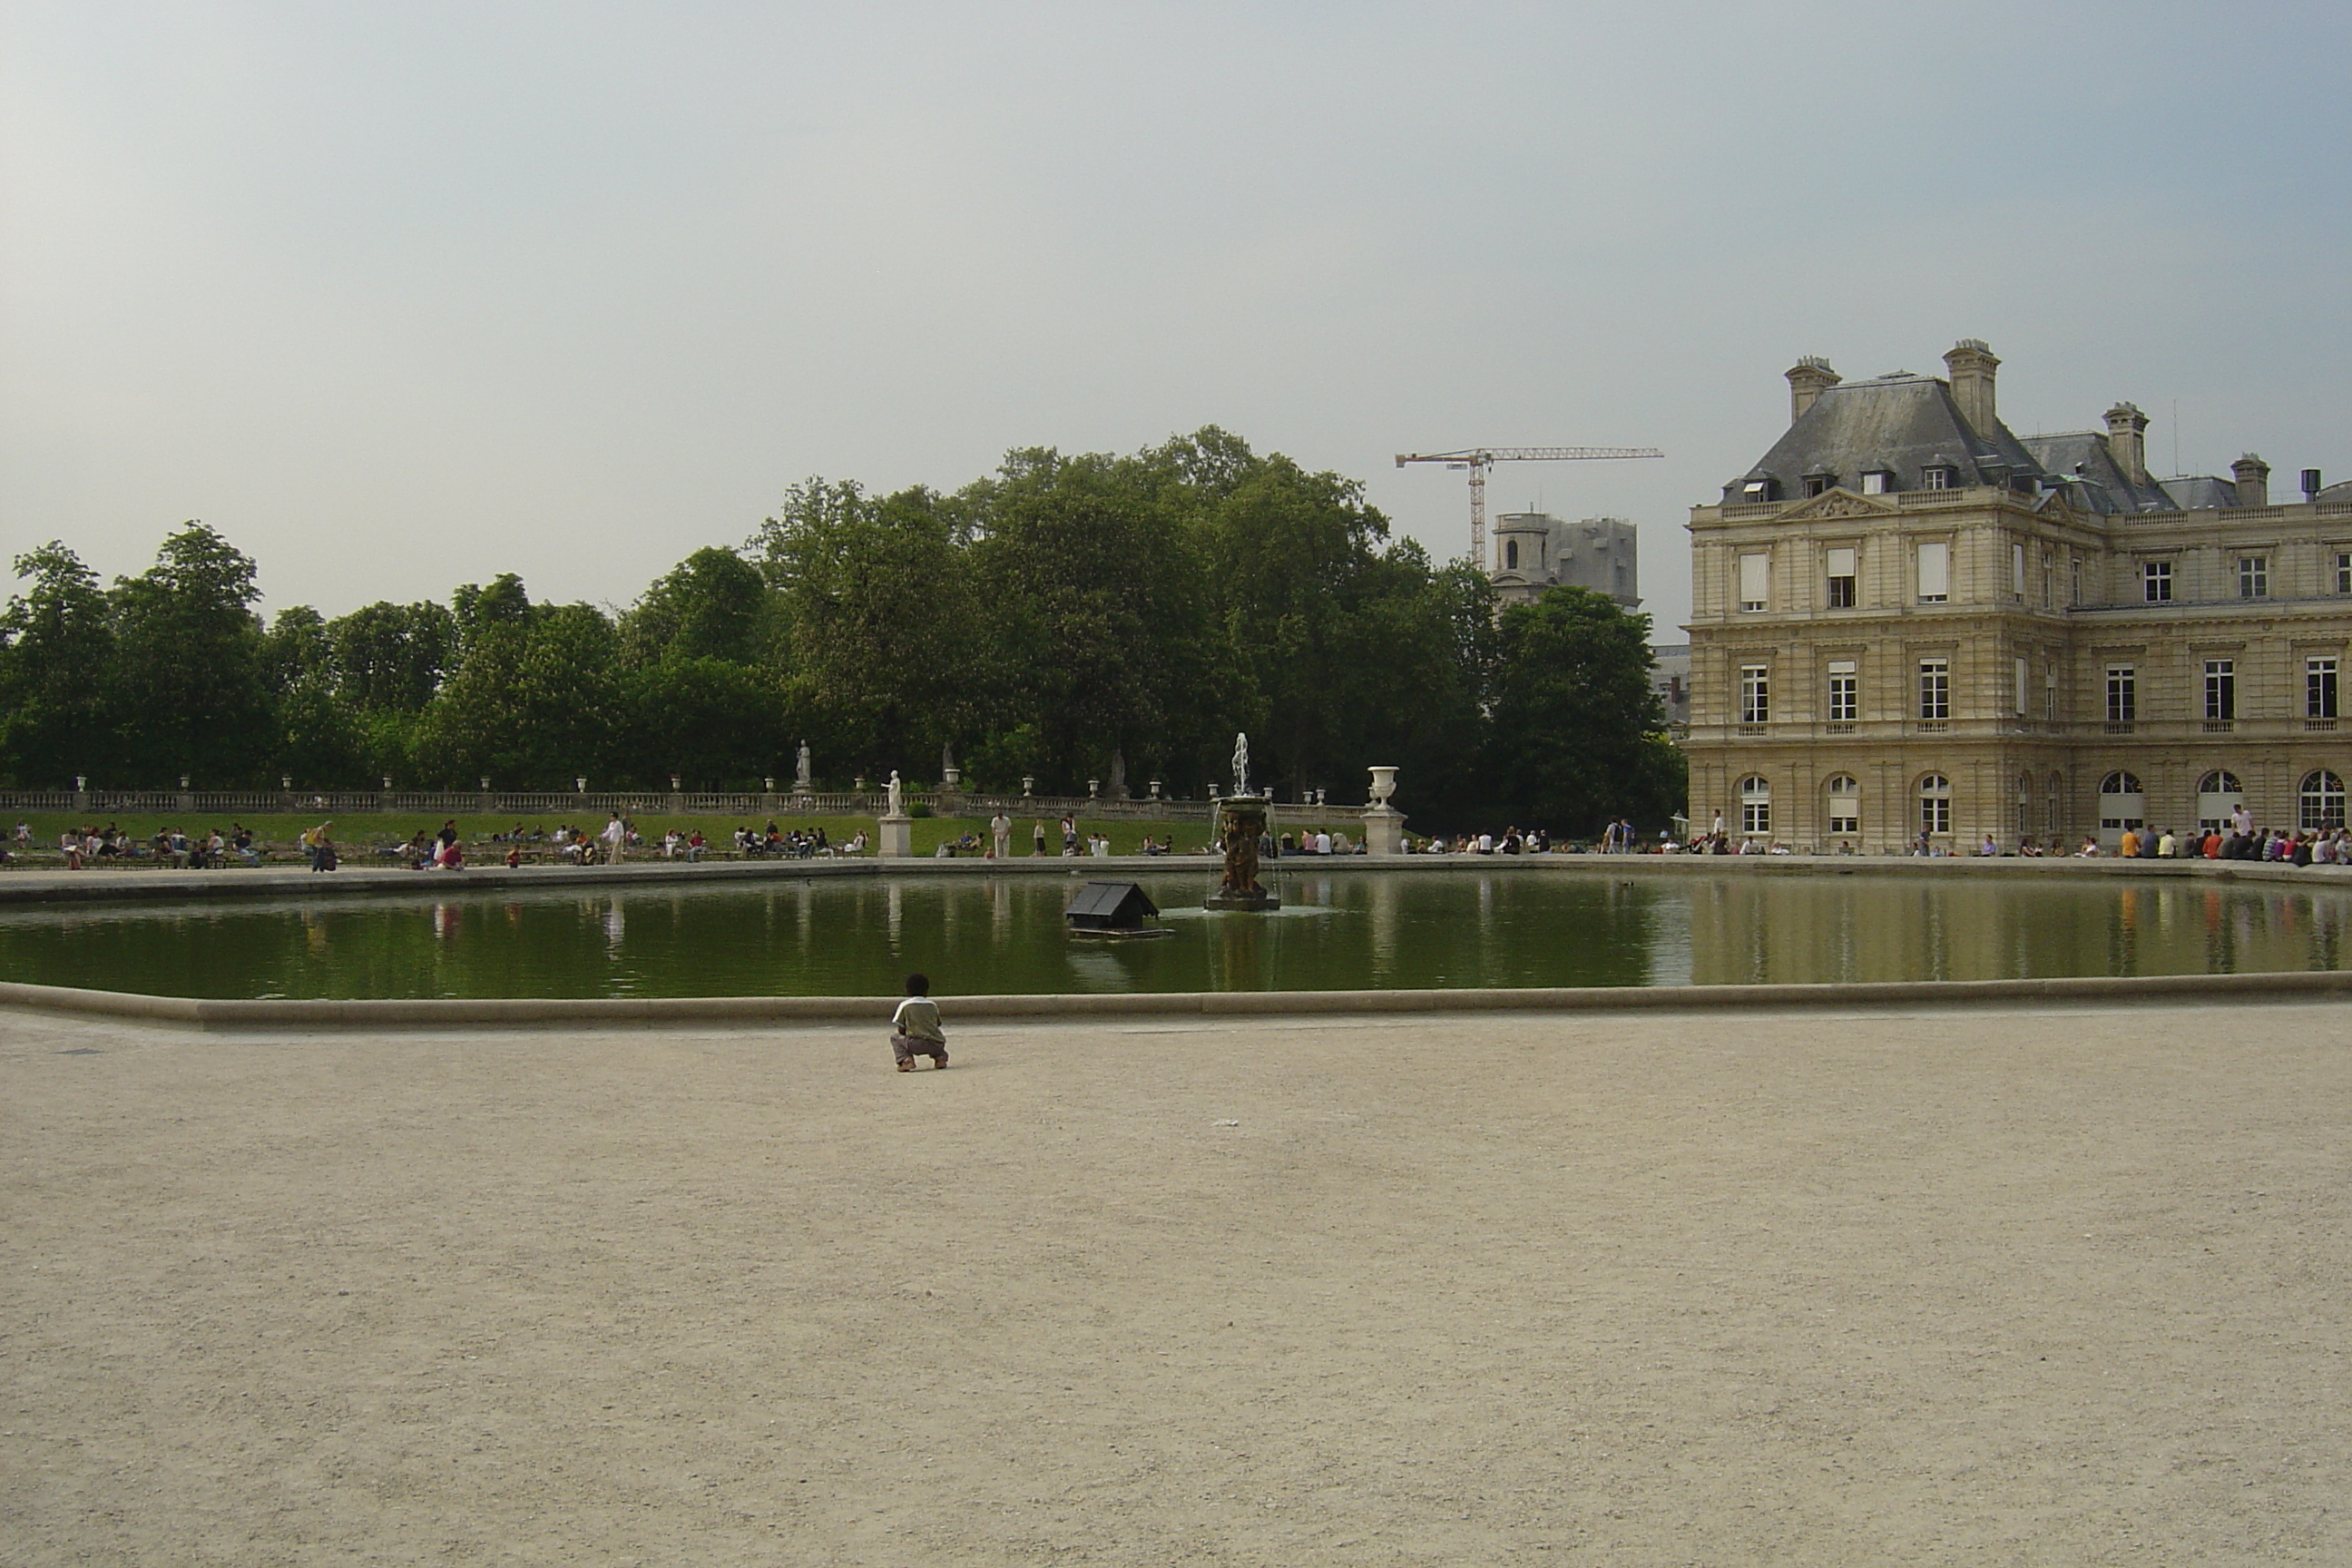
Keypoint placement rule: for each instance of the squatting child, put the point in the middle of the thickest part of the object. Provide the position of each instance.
(915, 1028)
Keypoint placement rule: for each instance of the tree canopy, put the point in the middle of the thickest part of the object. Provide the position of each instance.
(1058, 619)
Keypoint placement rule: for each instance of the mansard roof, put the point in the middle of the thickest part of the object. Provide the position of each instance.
(2194, 492)
(2094, 481)
(1903, 423)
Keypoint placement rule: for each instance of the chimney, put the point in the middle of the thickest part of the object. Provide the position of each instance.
(1808, 379)
(1970, 367)
(2127, 441)
(2311, 484)
(2253, 477)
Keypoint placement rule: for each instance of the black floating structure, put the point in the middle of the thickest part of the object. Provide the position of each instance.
(1115, 909)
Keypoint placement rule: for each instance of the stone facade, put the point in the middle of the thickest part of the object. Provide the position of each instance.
(1534, 550)
(1907, 620)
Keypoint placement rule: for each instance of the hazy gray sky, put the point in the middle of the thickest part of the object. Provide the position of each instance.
(400, 297)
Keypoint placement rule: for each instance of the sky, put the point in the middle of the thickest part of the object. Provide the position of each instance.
(399, 298)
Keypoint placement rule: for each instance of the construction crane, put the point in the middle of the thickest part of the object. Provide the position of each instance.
(1479, 460)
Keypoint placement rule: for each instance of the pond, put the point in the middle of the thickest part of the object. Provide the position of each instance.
(1513, 926)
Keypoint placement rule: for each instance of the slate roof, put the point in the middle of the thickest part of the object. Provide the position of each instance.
(2082, 462)
(1902, 422)
(2192, 492)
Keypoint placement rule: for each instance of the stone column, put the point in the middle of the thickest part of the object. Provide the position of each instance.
(894, 838)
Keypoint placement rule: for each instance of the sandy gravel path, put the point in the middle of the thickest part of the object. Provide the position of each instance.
(2066, 1287)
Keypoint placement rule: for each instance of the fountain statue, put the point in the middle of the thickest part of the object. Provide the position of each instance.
(1241, 823)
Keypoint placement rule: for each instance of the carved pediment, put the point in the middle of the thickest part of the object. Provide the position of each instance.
(1837, 502)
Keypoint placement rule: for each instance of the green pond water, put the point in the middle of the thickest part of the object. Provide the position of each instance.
(859, 936)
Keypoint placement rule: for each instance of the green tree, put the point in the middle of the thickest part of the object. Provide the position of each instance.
(711, 605)
(1575, 716)
(296, 649)
(189, 692)
(882, 619)
(1099, 632)
(535, 699)
(389, 659)
(57, 653)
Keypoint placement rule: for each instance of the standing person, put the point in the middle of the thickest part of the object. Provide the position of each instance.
(915, 1028)
(1038, 838)
(1069, 835)
(616, 833)
(1000, 833)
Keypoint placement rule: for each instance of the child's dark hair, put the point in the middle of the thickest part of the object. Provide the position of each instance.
(919, 985)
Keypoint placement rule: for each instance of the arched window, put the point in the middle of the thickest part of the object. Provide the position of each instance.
(1510, 555)
(1846, 804)
(1755, 805)
(2053, 809)
(2120, 783)
(2219, 794)
(2024, 806)
(2322, 799)
(1934, 805)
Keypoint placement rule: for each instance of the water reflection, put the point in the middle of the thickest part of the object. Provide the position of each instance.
(1451, 928)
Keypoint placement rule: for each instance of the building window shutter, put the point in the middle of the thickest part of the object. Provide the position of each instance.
(1753, 576)
(1934, 573)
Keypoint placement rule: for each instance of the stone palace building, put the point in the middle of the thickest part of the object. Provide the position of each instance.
(1905, 620)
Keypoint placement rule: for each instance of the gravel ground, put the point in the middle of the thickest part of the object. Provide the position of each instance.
(1996, 1287)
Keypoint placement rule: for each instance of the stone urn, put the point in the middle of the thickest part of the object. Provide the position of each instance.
(1383, 785)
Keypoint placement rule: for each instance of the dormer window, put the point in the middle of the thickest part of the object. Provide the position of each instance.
(1819, 483)
(1757, 491)
(1877, 482)
(1939, 477)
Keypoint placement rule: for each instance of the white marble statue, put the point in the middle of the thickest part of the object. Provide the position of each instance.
(801, 773)
(897, 795)
(1241, 762)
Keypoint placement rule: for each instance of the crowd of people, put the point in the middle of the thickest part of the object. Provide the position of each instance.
(2238, 839)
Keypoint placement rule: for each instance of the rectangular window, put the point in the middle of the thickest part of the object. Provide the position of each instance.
(1841, 575)
(2019, 688)
(1754, 575)
(2344, 571)
(2050, 693)
(2048, 603)
(2075, 565)
(2254, 576)
(2017, 572)
(1754, 694)
(2156, 582)
(2221, 689)
(2319, 688)
(1842, 703)
(1845, 812)
(1935, 478)
(1935, 574)
(1934, 689)
(1874, 482)
(2123, 694)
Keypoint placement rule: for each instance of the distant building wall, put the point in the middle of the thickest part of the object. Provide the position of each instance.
(1535, 551)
